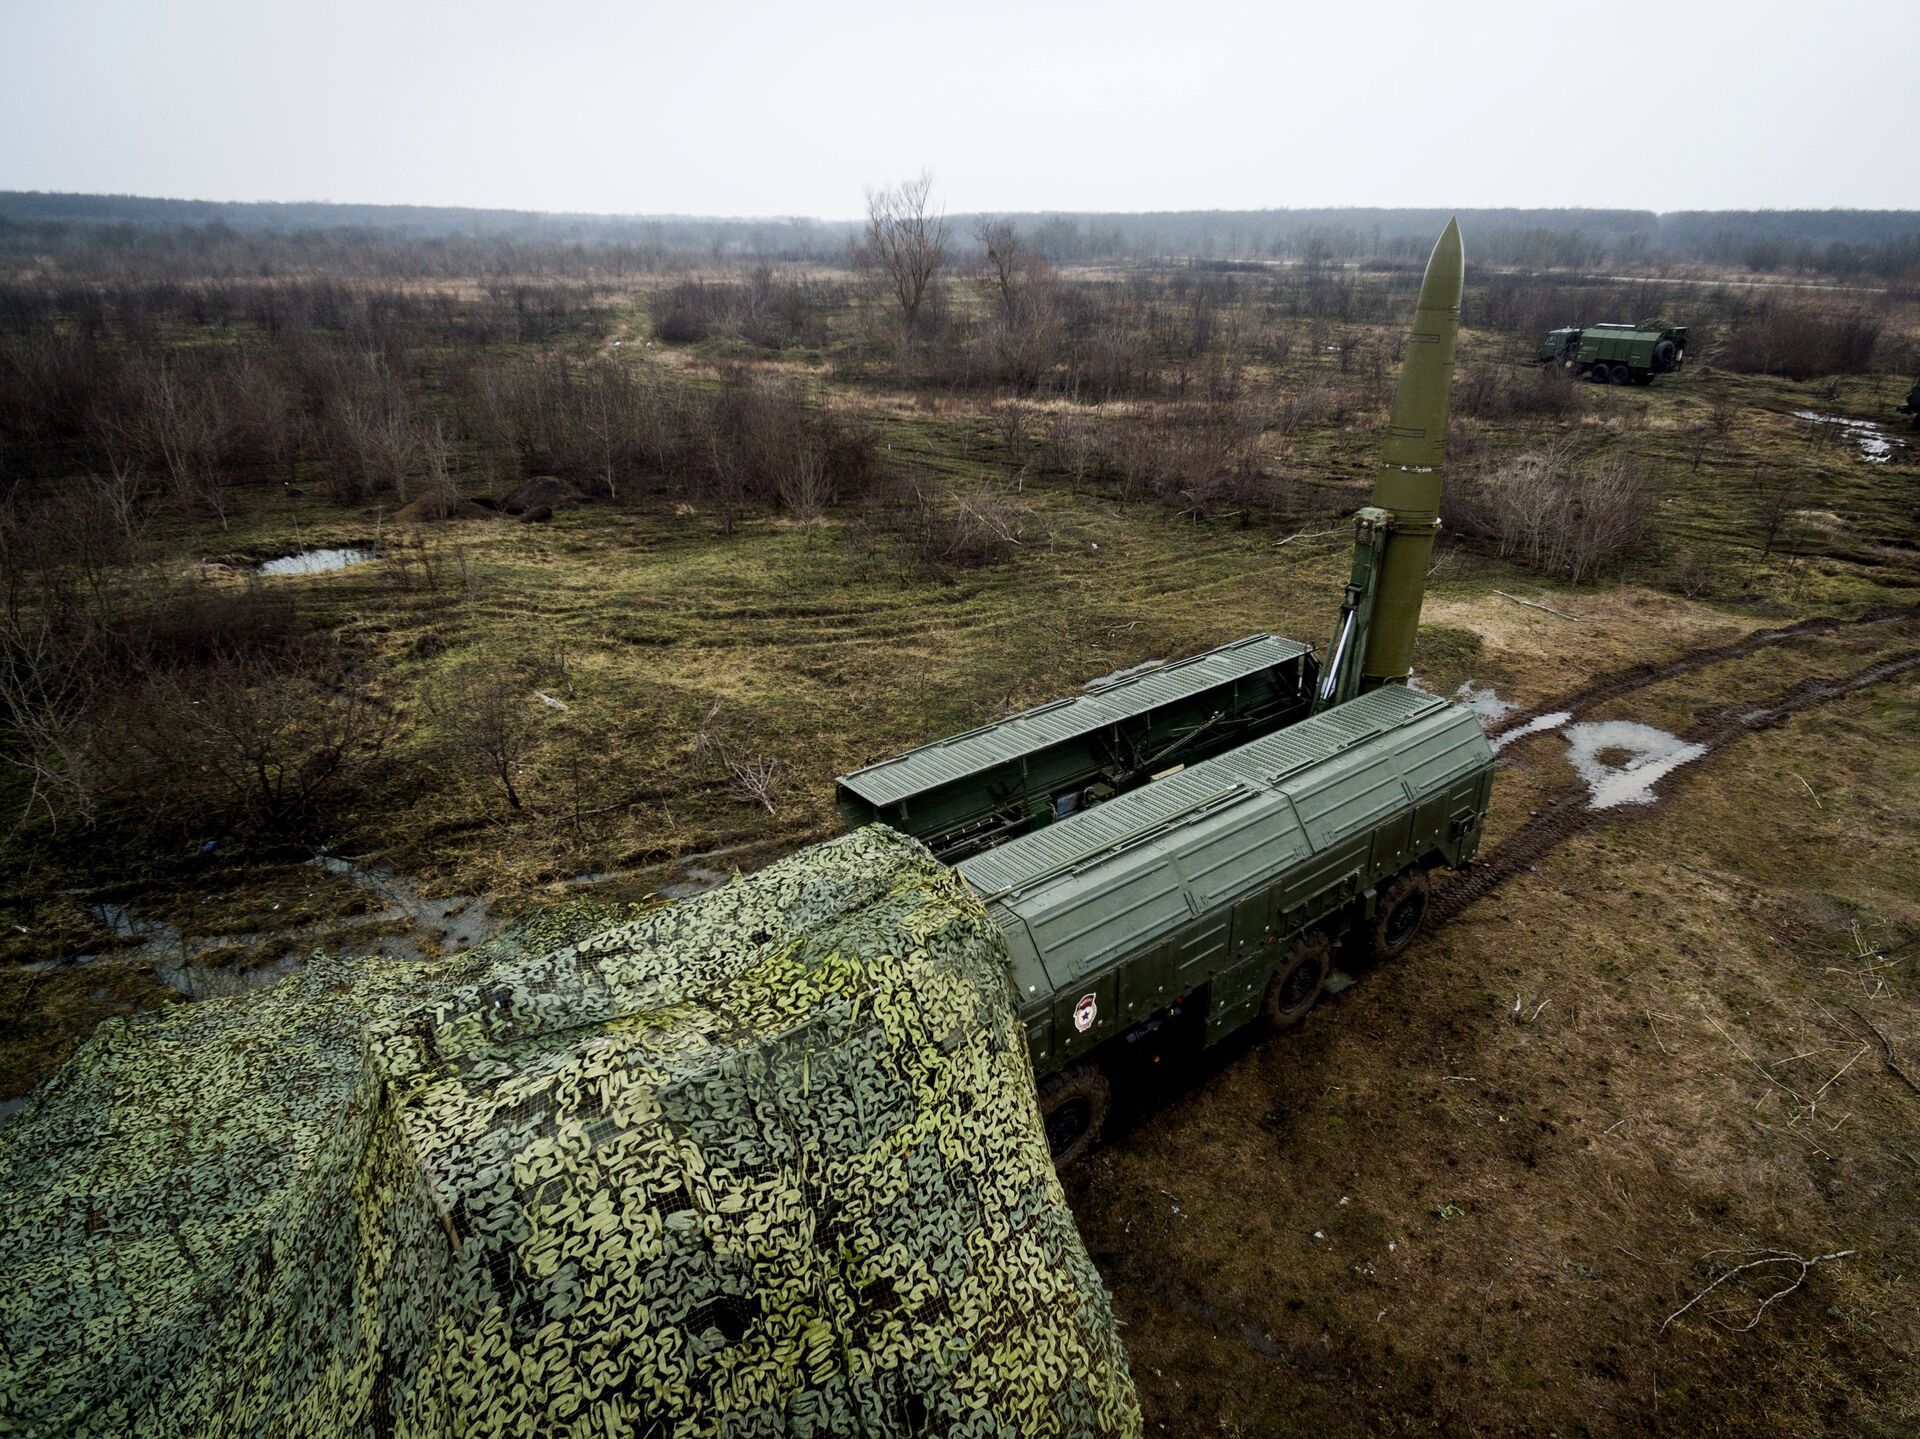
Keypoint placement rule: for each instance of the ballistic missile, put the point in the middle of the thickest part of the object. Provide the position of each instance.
(1407, 485)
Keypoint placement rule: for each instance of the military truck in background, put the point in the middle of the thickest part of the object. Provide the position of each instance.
(1615, 354)
(1182, 852)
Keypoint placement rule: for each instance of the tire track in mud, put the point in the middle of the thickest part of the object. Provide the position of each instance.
(1566, 816)
(1626, 681)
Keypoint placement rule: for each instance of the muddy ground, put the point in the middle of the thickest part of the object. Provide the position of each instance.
(1648, 1045)
(1644, 1045)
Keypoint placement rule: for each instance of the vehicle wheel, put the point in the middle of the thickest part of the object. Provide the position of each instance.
(1402, 910)
(1073, 1108)
(1622, 375)
(1663, 354)
(1600, 375)
(1296, 984)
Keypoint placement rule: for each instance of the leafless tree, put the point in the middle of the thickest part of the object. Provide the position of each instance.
(905, 243)
(805, 486)
(751, 778)
(254, 740)
(1004, 266)
(1554, 509)
(486, 720)
(1022, 292)
(1772, 493)
(178, 426)
(43, 717)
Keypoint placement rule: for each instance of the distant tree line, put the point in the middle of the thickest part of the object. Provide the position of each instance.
(409, 239)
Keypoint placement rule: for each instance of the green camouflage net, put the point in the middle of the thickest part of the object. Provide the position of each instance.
(763, 1163)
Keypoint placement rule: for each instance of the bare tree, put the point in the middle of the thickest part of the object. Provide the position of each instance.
(805, 486)
(905, 243)
(179, 426)
(267, 742)
(1772, 493)
(1004, 269)
(1555, 508)
(485, 721)
(754, 778)
(44, 721)
(1019, 285)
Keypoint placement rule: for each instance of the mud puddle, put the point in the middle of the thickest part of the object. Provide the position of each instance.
(409, 925)
(1875, 445)
(1564, 816)
(1485, 704)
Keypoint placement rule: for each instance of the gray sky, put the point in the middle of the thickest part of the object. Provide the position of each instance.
(794, 108)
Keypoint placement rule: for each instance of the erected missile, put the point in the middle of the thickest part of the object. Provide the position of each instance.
(1393, 536)
(1408, 483)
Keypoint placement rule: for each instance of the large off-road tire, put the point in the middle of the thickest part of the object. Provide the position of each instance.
(1600, 375)
(1073, 1107)
(1622, 375)
(1399, 915)
(1663, 354)
(1296, 985)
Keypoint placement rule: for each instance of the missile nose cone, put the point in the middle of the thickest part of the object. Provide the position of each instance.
(1446, 271)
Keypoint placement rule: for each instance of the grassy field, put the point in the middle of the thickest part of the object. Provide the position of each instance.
(1466, 1197)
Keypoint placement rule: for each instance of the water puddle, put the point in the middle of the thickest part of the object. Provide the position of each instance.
(699, 879)
(1875, 445)
(408, 925)
(315, 562)
(1486, 704)
(1650, 755)
(452, 923)
(1539, 724)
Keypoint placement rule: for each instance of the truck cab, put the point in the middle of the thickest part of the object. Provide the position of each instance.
(1557, 346)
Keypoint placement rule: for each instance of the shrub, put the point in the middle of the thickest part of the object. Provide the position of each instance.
(968, 530)
(266, 745)
(1553, 510)
(1801, 343)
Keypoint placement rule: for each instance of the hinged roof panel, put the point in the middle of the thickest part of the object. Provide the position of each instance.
(1030, 731)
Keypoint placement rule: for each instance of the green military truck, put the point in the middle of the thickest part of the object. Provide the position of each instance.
(1614, 354)
(1183, 850)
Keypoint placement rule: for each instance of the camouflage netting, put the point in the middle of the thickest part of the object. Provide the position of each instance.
(763, 1163)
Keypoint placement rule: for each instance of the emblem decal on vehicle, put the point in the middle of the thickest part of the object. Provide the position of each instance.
(1085, 1012)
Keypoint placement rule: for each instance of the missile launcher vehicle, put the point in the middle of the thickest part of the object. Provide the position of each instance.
(1184, 851)
(1616, 354)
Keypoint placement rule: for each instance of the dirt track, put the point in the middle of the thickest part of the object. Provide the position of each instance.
(1566, 815)
(1640, 676)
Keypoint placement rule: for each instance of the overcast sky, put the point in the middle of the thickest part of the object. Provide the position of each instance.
(726, 108)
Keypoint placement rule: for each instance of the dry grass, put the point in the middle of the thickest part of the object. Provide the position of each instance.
(1466, 1196)
(1470, 1193)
